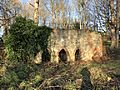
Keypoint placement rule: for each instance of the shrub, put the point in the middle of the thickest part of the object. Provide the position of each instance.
(24, 40)
(70, 86)
(23, 71)
(18, 40)
(9, 79)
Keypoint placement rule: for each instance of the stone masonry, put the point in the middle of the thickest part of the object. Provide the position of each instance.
(88, 43)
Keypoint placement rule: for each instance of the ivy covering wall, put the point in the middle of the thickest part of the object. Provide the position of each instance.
(24, 40)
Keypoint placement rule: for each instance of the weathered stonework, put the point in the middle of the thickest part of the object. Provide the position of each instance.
(88, 43)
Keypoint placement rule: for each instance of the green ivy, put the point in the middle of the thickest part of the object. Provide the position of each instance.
(25, 39)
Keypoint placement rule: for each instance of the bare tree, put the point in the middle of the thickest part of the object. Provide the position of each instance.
(36, 6)
(84, 12)
(112, 25)
(9, 9)
(108, 17)
(43, 12)
(27, 10)
(117, 22)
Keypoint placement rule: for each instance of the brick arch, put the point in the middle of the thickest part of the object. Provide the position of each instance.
(63, 55)
(77, 55)
(46, 55)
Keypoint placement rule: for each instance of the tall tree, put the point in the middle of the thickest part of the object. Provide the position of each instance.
(108, 17)
(117, 22)
(112, 25)
(36, 16)
(43, 13)
(9, 9)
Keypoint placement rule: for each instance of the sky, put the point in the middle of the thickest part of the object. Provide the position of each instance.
(24, 1)
(1, 32)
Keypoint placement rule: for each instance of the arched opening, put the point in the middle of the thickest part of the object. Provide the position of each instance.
(77, 55)
(63, 55)
(46, 56)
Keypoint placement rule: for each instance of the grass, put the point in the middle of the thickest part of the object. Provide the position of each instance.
(68, 76)
(89, 76)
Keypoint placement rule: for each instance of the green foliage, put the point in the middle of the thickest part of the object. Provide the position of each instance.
(37, 77)
(23, 71)
(10, 79)
(25, 39)
(18, 40)
(41, 35)
(70, 85)
(21, 76)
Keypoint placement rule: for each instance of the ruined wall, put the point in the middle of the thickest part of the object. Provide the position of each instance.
(89, 43)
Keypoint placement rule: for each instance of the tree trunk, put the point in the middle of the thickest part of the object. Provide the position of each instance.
(80, 24)
(36, 17)
(112, 27)
(117, 23)
(113, 38)
(6, 23)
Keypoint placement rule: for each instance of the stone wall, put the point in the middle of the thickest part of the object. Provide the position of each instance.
(88, 43)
